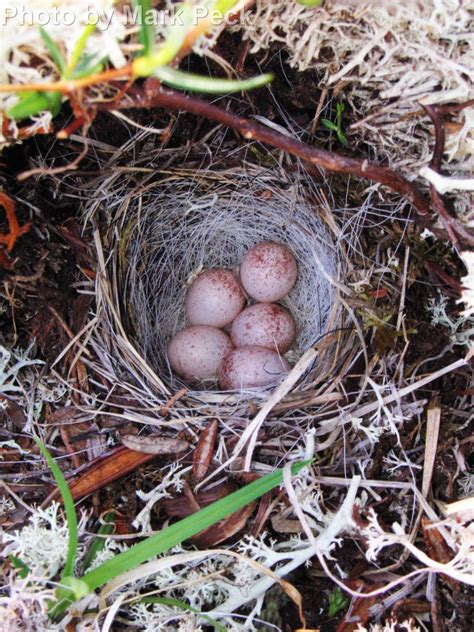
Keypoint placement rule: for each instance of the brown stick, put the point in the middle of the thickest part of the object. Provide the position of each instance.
(453, 226)
(155, 96)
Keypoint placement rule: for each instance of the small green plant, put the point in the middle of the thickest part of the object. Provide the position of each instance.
(336, 126)
(72, 588)
(150, 61)
(337, 602)
(22, 568)
(79, 65)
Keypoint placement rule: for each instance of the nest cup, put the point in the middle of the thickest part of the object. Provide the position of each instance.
(188, 224)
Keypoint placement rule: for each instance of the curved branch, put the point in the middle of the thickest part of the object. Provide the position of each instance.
(153, 95)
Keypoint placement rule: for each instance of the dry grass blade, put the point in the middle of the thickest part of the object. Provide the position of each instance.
(154, 444)
(432, 433)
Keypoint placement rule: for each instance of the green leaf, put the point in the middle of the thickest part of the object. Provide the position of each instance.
(310, 3)
(53, 50)
(147, 32)
(330, 125)
(72, 587)
(224, 6)
(78, 50)
(33, 103)
(55, 101)
(29, 104)
(69, 509)
(145, 65)
(89, 65)
(69, 590)
(187, 527)
(182, 605)
(98, 544)
(198, 83)
(23, 569)
(337, 602)
(342, 138)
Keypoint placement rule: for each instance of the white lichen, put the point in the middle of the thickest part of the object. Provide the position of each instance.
(42, 544)
(460, 327)
(467, 294)
(171, 483)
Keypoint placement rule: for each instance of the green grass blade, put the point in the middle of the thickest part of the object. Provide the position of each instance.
(147, 32)
(198, 83)
(98, 544)
(185, 528)
(53, 50)
(69, 509)
(182, 605)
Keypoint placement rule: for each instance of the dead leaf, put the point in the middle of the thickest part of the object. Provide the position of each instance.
(438, 549)
(204, 450)
(154, 444)
(359, 613)
(180, 506)
(67, 419)
(224, 529)
(377, 294)
(14, 412)
(104, 471)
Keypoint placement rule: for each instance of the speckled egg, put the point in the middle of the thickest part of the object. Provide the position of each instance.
(252, 367)
(268, 271)
(215, 298)
(196, 353)
(265, 325)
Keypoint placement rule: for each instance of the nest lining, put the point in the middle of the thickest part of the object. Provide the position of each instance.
(193, 223)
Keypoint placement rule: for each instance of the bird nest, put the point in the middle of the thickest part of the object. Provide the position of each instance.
(169, 227)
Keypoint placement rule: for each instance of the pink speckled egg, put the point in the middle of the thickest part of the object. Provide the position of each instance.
(252, 367)
(268, 271)
(264, 325)
(215, 298)
(196, 352)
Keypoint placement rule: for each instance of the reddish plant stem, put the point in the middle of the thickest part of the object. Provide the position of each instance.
(440, 136)
(452, 225)
(152, 95)
(450, 108)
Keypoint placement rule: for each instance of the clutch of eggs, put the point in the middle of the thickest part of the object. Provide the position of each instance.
(260, 333)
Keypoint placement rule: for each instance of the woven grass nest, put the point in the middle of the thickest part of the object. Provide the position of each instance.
(172, 225)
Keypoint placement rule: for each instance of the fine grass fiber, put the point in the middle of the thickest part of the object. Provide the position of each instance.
(193, 223)
(169, 227)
